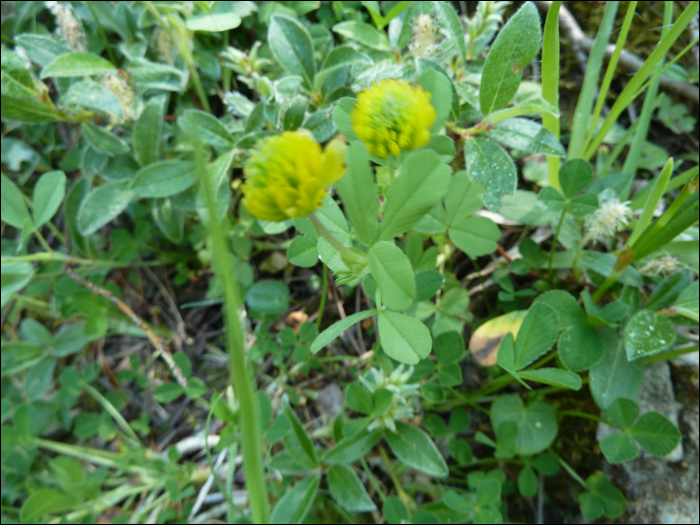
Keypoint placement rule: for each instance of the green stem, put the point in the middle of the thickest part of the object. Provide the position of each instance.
(575, 413)
(251, 440)
(345, 252)
(572, 473)
(103, 35)
(226, 72)
(324, 296)
(372, 479)
(42, 241)
(554, 242)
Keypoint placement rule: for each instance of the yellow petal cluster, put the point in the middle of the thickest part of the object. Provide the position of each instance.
(289, 175)
(393, 116)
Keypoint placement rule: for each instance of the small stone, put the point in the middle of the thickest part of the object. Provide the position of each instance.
(331, 400)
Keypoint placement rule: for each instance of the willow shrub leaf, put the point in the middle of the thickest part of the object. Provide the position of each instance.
(221, 18)
(451, 21)
(340, 57)
(392, 271)
(514, 47)
(526, 135)
(42, 49)
(21, 103)
(337, 328)
(103, 204)
(347, 489)
(293, 506)
(205, 127)
(489, 165)
(580, 347)
(648, 333)
(404, 338)
(169, 218)
(96, 97)
(360, 204)
(614, 376)
(415, 449)
(363, 34)
(148, 129)
(164, 178)
(77, 65)
(292, 47)
(104, 141)
(48, 196)
(423, 182)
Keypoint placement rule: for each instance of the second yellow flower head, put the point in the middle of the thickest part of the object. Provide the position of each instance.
(392, 116)
(289, 175)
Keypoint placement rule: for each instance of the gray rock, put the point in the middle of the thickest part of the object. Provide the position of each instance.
(331, 400)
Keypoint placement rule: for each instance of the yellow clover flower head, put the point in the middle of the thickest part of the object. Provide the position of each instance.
(289, 175)
(392, 116)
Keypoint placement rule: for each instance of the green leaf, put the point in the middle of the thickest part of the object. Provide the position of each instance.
(164, 179)
(622, 413)
(167, 392)
(341, 117)
(354, 447)
(454, 302)
(648, 333)
(537, 422)
(102, 205)
(488, 493)
(527, 482)
(360, 204)
(453, 24)
(364, 34)
(575, 176)
(359, 399)
(461, 451)
(462, 199)
(292, 47)
(169, 218)
(340, 57)
(489, 165)
(475, 236)
(298, 442)
(404, 338)
(21, 103)
(348, 490)
(104, 141)
(553, 376)
(221, 18)
(96, 97)
(148, 130)
(456, 502)
(415, 448)
(614, 376)
(293, 506)
(514, 47)
(526, 135)
(39, 378)
(268, 297)
(656, 434)
(392, 271)
(42, 49)
(48, 196)
(205, 127)
(77, 65)
(687, 302)
(536, 335)
(668, 291)
(552, 199)
(619, 448)
(285, 463)
(14, 277)
(603, 496)
(13, 210)
(394, 510)
(44, 502)
(294, 111)
(450, 374)
(580, 347)
(303, 251)
(440, 89)
(337, 328)
(423, 182)
(568, 311)
(448, 347)
(428, 282)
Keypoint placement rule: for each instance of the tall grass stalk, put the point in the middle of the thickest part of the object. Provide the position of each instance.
(241, 378)
(550, 84)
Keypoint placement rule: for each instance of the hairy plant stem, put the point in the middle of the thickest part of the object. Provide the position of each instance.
(241, 379)
(324, 296)
(345, 252)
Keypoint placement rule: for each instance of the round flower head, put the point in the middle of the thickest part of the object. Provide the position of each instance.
(392, 116)
(289, 175)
